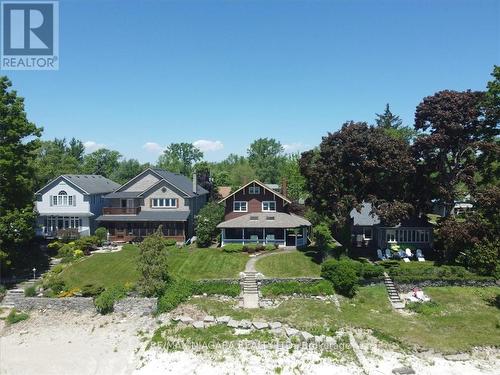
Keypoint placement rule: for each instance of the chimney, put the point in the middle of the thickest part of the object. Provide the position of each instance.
(284, 187)
(195, 183)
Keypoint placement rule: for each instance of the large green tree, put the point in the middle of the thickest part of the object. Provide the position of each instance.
(206, 224)
(103, 162)
(180, 158)
(18, 142)
(296, 183)
(355, 164)
(393, 125)
(265, 155)
(127, 169)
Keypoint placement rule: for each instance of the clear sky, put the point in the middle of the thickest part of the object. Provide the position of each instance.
(137, 75)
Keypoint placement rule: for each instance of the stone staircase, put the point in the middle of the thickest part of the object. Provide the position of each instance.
(394, 297)
(250, 290)
(12, 297)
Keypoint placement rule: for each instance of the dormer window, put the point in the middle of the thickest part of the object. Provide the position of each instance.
(254, 190)
(240, 206)
(62, 199)
(269, 206)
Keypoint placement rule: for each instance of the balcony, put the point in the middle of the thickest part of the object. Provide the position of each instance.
(121, 210)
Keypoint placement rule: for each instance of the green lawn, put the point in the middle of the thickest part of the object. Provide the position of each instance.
(121, 267)
(104, 269)
(293, 264)
(462, 319)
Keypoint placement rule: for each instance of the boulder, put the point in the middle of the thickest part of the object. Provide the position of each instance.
(186, 319)
(245, 324)
(403, 371)
(306, 336)
(233, 323)
(260, 325)
(223, 319)
(209, 319)
(274, 325)
(240, 331)
(198, 324)
(291, 332)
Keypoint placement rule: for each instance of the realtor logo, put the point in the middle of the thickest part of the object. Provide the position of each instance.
(30, 35)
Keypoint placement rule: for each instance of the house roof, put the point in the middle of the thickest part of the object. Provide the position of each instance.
(261, 220)
(177, 180)
(368, 218)
(260, 184)
(157, 215)
(365, 216)
(88, 183)
(123, 194)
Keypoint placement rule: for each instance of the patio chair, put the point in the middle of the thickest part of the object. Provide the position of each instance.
(380, 255)
(402, 254)
(408, 253)
(388, 253)
(420, 255)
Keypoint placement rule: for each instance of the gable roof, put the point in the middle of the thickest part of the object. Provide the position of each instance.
(260, 184)
(368, 218)
(266, 220)
(177, 180)
(87, 183)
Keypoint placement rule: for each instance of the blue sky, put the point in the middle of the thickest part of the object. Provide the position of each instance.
(137, 75)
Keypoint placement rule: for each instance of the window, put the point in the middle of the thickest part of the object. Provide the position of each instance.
(164, 202)
(254, 189)
(63, 199)
(270, 218)
(367, 233)
(240, 206)
(269, 206)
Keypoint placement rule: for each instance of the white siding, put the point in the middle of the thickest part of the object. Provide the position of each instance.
(44, 206)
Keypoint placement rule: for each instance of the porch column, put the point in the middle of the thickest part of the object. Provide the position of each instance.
(243, 235)
(284, 236)
(264, 233)
(223, 235)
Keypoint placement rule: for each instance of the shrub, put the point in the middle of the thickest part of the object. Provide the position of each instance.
(65, 251)
(343, 274)
(78, 253)
(55, 283)
(152, 265)
(206, 223)
(91, 290)
(175, 293)
(102, 234)
(323, 238)
(495, 301)
(170, 242)
(371, 271)
(319, 288)
(16, 317)
(69, 293)
(30, 291)
(3, 291)
(233, 248)
(57, 269)
(216, 287)
(105, 301)
(55, 245)
(483, 258)
(87, 244)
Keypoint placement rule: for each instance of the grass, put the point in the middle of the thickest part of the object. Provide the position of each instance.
(119, 268)
(16, 317)
(319, 288)
(294, 264)
(459, 318)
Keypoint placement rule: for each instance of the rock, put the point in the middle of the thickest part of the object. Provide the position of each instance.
(186, 319)
(209, 319)
(330, 341)
(245, 324)
(223, 319)
(198, 324)
(403, 370)
(240, 331)
(277, 331)
(274, 325)
(457, 357)
(233, 323)
(290, 332)
(260, 325)
(319, 339)
(306, 336)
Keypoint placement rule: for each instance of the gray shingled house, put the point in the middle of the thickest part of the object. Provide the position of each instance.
(154, 197)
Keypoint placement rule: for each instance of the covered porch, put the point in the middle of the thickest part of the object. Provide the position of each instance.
(136, 231)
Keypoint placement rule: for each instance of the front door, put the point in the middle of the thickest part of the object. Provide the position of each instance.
(291, 237)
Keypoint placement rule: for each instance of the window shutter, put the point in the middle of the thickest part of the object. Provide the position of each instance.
(51, 200)
(74, 200)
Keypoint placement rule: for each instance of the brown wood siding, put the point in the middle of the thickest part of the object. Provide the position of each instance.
(254, 202)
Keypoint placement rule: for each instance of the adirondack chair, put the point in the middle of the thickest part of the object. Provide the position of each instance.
(388, 253)
(380, 255)
(408, 253)
(420, 255)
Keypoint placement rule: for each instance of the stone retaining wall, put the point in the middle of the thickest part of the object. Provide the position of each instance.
(407, 287)
(84, 304)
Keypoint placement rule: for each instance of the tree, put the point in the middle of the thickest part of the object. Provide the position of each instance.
(127, 169)
(355, 164)
(457, 132)
(18, 142)
(180, 158)
(393, 126)
(206, 223)
(323, 238)
(234, 170)
(152, 265)
(265, 155)
(102, 162)
(54, 158)
(76, 149)
(296, 183)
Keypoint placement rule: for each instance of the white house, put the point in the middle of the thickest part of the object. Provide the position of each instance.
(71, 202)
